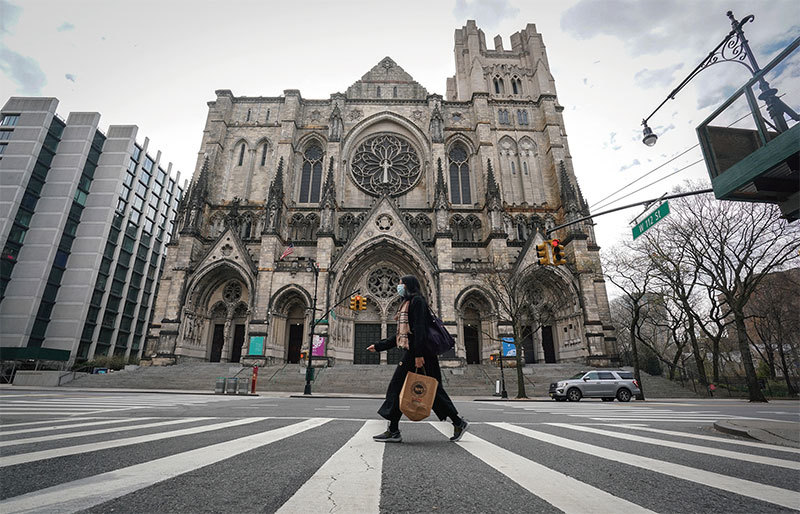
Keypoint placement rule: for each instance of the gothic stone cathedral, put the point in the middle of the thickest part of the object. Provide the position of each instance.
(381, 181)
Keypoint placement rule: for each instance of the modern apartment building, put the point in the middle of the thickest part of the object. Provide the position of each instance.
(85, 218)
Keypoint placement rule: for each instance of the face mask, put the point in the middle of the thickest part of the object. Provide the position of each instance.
(401, 289)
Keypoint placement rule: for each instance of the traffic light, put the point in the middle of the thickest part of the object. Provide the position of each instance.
(559, 259)
(354, 302)
(362, 305)
(541, 252)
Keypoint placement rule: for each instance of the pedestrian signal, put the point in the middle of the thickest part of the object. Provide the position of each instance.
(354, 302)
(559, 259)
(362, 304)
(541, 252)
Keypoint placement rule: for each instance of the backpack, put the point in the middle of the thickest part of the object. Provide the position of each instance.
(439, 339)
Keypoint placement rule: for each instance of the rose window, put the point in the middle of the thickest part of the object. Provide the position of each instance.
(232, 292)
(383, 282)
(385, 164)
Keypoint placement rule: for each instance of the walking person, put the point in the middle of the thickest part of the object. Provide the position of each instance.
(413, 319)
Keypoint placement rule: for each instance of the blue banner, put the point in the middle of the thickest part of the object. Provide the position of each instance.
(509, 350)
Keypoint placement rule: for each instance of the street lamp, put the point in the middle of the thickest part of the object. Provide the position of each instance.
(648, 137)
(311, 265)
(734, 48)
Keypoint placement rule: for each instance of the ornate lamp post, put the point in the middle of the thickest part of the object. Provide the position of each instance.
(734, 48)
(311, 265)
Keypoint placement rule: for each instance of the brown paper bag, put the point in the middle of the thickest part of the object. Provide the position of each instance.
(416, 397)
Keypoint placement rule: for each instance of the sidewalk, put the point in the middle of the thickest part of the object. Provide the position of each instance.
(783, 433)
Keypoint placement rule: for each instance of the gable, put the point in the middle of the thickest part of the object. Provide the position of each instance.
(228, 247)
(386, 80)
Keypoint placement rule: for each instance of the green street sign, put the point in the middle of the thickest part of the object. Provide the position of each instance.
(651, 219)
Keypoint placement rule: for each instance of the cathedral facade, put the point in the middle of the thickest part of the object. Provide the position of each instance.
(297, 203)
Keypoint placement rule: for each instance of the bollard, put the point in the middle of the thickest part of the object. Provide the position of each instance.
(219, 386)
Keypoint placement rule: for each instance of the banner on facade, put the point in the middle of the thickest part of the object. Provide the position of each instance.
(256, 345)
(509, 350)
(318, 346)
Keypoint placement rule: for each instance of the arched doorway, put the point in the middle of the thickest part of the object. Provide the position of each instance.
(217, 316)
(295, 325)
(472, 335)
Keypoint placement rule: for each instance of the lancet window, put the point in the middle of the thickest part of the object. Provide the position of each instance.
(460, 192)
(311, 174)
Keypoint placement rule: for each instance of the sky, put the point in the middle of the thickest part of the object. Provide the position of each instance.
(155, 64)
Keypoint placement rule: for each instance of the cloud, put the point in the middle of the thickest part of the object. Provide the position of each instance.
(9, 14)
(70, 77)
(631, 165)
(612, 142)
(652, 27)
(661, 77)
(23, 70)
(487, 13)
(65, 27)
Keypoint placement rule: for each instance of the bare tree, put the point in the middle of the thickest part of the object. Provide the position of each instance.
(527, 298)
(732, 246)
(633, 274)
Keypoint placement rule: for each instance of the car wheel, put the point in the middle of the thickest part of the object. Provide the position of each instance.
(607, 399)
(624, 395)
(574, 394)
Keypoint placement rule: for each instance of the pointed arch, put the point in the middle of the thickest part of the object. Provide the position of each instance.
(263, 147)
(458, 157)
(312, 157)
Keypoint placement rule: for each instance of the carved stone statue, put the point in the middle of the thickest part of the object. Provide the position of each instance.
(437, 126)
(335, 125)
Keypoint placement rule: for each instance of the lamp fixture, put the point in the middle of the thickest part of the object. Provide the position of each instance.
(648, 138)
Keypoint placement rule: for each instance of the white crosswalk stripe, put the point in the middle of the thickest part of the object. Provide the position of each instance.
(768, 493)
(350, 476)
(91, 404)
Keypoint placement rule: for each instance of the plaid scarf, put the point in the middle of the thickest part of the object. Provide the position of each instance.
(403, 328)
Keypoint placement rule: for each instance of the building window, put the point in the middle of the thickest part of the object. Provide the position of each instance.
(499, 87)
(248, 115)
(267, 118)
(264, 155)
(241, 155)
(311, 177)
(379, 91)
(5, 134)
(522, 117)
(459, 175)
(502, 117)
(394, 92)
(2, 148)
(9, 120)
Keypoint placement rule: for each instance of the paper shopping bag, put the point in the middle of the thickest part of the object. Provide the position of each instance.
(416, 397)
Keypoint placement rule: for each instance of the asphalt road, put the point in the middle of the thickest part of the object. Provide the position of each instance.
(147, 452)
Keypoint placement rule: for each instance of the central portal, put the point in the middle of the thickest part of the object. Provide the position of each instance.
(366, 334)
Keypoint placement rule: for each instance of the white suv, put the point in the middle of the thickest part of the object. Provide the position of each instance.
(605, 384)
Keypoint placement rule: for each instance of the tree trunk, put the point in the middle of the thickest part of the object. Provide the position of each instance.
(747, 359)
(635, 353)
(698, 357)
(715, 360)
(770, 351)
(790, 390)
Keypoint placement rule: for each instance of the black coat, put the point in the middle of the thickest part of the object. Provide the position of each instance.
(419, 319)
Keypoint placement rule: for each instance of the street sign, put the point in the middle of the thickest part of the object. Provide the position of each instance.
(651, 219)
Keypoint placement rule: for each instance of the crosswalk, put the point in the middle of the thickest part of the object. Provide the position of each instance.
(90, 404)
(623, 413)
(325, 464)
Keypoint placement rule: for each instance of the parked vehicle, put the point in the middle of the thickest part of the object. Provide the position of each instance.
(605, 384)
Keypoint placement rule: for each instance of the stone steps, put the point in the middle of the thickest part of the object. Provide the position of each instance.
(473, 380)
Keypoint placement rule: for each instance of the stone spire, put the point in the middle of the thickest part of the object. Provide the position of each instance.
(440, 204)
(274, 202)
(571, 199)
(440, 196)
(494, 203)
(328, 201)
(196, 199)
(493, 200)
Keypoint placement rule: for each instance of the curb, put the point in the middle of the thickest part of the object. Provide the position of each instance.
(732, 430)
(757, 434)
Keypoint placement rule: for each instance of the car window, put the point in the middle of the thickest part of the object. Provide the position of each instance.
(606, 375)
(577, 376)
(625, 375)
(592, 375)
